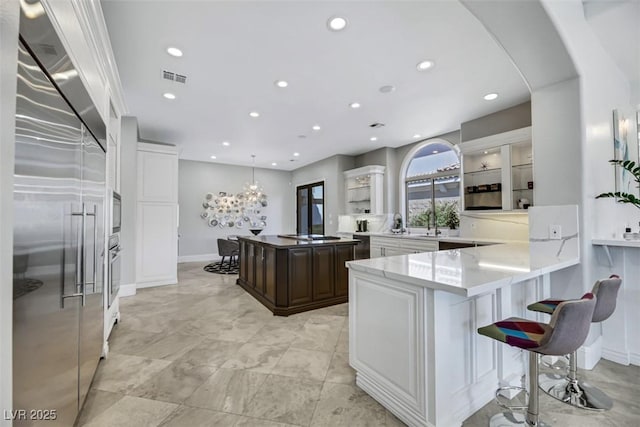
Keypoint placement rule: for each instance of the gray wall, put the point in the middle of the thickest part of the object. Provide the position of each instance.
(128, 192)
(330, 171)
(512, 118)
(196, 179)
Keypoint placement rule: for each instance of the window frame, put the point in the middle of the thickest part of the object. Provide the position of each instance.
(403, 199)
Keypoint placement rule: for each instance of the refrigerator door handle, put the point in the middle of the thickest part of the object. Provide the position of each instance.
(95, 250)
(79, 265)
(83, 249)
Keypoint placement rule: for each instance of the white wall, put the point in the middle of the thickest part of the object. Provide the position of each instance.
(129, 195)
(9, 13)
(330, 171)
(195, 179)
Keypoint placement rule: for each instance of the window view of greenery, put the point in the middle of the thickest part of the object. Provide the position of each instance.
(433, 188)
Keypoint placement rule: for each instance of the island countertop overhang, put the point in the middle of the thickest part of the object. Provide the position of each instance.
(283, 242)
(469, 271)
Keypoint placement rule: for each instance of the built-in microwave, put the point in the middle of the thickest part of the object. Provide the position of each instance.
(116, 212)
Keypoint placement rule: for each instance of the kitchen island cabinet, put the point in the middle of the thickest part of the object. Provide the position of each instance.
(292, 274)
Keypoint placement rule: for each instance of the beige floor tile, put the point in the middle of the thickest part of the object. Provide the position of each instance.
(342, 346)
(271, 334)
(348, 406)
(131, 342)
(211, 352)
(186, 416)
(121, 373)
(392, 421)
(227, 390)
(174, 383)
(340, 371)
(133, 411)
(170, 347)
(305, 364)
(256, 422)
(96, 403)
(317, 336)
(257, 358)
(285, 400)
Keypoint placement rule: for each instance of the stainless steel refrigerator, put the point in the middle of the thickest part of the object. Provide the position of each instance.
(59, 234)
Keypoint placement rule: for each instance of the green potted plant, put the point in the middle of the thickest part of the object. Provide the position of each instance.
(452, 219)
(632, 168)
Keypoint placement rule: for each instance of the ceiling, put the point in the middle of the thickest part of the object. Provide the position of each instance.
(235, 51)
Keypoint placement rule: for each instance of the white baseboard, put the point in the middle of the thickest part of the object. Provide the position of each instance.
(198, 258)
(127, 290)
(635, 359)
(589, 355)
(616, 356)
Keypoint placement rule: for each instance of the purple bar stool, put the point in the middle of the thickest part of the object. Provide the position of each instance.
(566, 332)
(567, 388)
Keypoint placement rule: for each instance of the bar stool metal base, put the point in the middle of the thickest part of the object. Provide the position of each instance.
(575, 393)
(508, 419)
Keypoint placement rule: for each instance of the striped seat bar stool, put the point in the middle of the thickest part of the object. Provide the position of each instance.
(566, 332)
(567, 388)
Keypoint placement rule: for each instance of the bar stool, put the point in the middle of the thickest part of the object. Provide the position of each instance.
(565, 333)
(567, 388)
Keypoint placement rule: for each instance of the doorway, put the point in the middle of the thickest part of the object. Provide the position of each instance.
(310, 208)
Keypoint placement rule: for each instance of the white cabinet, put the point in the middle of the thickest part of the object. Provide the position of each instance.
(381, 246)
(497, 171)
(157, 215)
(364, 190)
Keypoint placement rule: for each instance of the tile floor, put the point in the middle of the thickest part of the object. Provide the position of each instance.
(205, 353)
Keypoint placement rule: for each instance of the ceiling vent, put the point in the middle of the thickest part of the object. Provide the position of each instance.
(376, 125)
(174, 77)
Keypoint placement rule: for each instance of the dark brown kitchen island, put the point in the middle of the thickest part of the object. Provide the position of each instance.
(292, 274)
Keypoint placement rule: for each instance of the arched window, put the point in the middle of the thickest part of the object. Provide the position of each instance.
(431, 184)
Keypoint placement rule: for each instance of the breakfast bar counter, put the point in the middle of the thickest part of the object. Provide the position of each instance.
(413, 321)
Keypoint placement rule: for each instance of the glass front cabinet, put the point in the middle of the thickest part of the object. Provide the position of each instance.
(497, 172)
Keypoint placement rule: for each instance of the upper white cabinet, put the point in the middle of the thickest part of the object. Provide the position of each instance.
(364, 191)
(157, 173)
(157, 215)
(497, 171)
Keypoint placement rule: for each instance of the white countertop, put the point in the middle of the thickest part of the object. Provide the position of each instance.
(616, 242)
(469, 271)
(461, 239)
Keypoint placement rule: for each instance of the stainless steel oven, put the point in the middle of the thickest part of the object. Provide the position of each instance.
(114, 266)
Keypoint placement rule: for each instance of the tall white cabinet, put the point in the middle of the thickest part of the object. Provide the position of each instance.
(157, 215)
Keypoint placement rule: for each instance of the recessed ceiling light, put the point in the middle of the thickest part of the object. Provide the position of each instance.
(213, 157)
(354, 105)
(373, 138)
(435, 151)
(337, 23)
(296, 154)
(486, 152)
(169, 95)
(417, 135)
(315, 127)
(425, 65)
(174, 51)
(254, 114)
(490, 96)
(226, 143)
(387, 89)
(281, 83)
(274, 164)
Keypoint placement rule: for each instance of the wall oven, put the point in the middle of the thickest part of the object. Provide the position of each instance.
(114, 267)
(116, 212)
